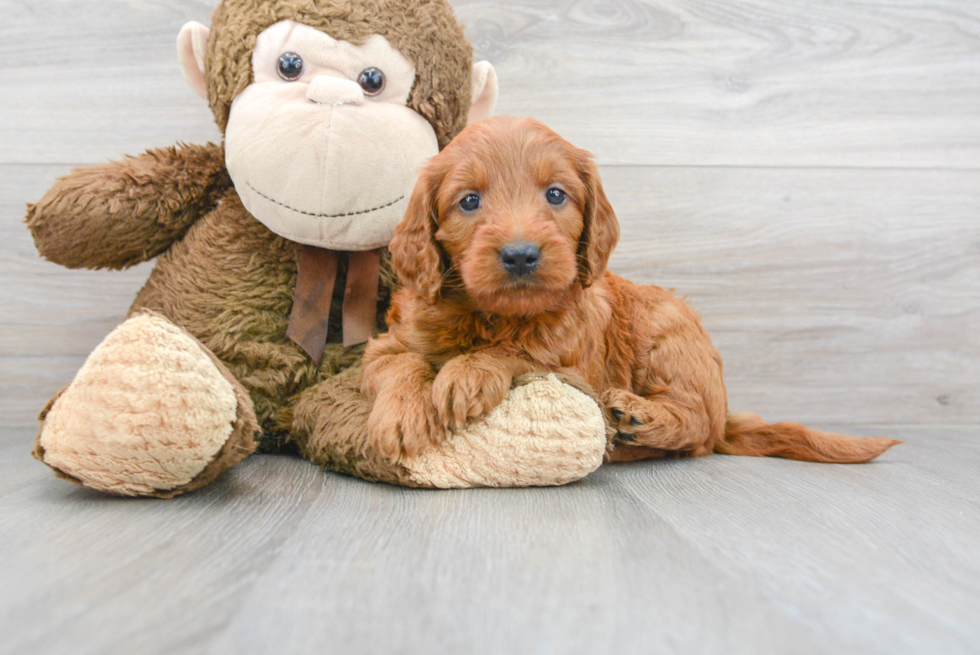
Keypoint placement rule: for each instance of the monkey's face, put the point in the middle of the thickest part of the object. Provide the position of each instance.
(322, 146)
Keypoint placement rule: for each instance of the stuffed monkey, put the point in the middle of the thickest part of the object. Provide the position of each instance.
(271, 266)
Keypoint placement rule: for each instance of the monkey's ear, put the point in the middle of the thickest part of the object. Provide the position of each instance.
(414, 253)
(600, 231)
(485, 91)
(192, 42)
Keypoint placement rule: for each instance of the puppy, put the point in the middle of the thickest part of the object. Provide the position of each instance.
(502, 254)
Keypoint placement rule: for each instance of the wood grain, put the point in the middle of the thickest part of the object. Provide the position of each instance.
(808, 174)
(847, 296)
(717, 555)
(746, 82)
(87, 81)
(668, 82)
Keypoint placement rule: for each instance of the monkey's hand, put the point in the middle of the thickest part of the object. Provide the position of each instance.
(121, 213)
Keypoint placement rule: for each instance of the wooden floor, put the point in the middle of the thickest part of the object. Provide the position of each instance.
(718, 555)
(807, 173)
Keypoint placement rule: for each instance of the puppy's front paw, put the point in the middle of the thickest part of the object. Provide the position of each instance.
(403, 422)
(467, 387)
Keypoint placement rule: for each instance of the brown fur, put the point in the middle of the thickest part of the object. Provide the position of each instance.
(119, 214)
(463, 328)
(220, 273)
(426, 32)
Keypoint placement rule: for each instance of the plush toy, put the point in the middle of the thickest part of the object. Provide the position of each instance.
(272, 268)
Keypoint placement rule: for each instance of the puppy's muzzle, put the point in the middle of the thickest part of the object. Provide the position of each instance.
(520, 259)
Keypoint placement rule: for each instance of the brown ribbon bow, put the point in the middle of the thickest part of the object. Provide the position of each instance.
(314, 295)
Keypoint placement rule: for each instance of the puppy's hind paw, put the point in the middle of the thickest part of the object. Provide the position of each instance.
(620, 406)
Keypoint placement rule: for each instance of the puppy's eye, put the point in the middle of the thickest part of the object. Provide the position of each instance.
(290, 66)
(556, 197)
(470, 203)
(372, 81)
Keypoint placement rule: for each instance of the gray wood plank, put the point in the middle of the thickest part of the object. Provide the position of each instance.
(849, 296)
(17, 469)
(717, 555)
(583, 570)
(657, 82)
(746, 82)
(102, 80)
(94, 574)
(851, 546)
(51, 318)
(741, 143)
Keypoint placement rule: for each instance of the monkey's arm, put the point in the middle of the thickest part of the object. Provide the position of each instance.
(122, 213)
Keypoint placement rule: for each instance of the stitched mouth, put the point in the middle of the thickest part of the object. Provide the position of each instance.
(315, 215)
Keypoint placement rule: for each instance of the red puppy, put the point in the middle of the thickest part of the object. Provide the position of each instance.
(503, 255)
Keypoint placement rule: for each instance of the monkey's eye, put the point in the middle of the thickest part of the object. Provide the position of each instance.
(556, 196)
(372, 81)
(470, 203)
(290, 66)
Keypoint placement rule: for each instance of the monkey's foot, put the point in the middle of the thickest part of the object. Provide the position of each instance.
(151, 413)
(546, 432)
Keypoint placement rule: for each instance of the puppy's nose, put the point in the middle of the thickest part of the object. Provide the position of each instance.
(520, 259)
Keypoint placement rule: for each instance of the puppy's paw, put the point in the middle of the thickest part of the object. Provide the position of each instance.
(467, 387)
(403, 423)
(649, 423)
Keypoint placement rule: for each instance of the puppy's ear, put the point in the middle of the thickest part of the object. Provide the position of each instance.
(414, 253)
(600, 231)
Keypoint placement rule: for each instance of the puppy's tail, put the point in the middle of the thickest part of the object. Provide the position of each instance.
(747, 434)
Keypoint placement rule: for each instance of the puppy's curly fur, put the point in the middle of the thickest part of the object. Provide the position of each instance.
(467, 322)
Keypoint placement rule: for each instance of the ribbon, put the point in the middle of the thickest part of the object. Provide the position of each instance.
(317, 275)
